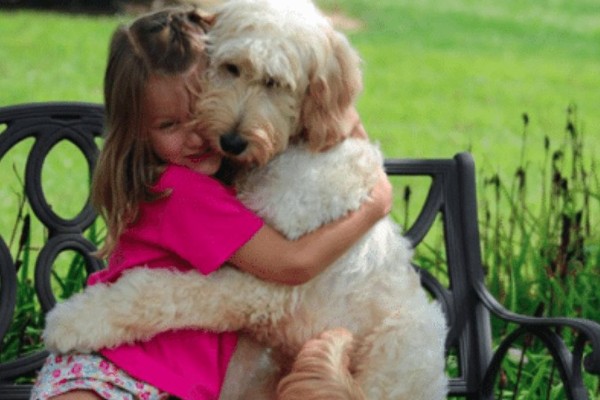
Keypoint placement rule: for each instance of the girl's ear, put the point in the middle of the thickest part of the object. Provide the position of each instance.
(334, 84)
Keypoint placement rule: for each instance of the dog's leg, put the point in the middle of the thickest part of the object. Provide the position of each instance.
(321, 370)
(251, 374)
(403, 358)
(144, 302)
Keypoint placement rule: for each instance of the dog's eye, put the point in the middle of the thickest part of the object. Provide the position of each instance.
(270, 82)
(232, 69)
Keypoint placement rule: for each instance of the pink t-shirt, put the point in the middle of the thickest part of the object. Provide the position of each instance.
(198, 226)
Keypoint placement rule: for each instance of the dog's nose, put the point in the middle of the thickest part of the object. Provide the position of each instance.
(233, 143)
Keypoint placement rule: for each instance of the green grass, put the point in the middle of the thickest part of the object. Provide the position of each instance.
(445, 76)
(441, 76)
(49, 56)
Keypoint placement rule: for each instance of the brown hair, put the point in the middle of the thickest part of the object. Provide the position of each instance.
(166, 42)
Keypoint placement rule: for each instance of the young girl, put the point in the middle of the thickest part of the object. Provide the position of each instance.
(153, 186)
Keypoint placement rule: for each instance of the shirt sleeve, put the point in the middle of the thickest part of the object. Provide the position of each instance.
(202, 221)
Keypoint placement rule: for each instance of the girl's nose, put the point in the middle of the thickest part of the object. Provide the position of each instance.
(193, 136)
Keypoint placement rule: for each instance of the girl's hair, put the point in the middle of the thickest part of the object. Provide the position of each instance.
(167, 42)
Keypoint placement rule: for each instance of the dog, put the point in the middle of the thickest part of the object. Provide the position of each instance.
(279, 85)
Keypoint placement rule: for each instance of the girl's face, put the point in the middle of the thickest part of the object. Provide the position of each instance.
(173, 136)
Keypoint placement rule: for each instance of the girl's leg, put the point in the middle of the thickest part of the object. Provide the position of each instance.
(88, 377)
(78, 395)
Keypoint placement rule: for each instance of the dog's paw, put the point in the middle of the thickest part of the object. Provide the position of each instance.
(79, 324)
(321, 370)
(61, 335)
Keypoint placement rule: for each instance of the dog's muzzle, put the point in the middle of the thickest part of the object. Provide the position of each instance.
(233, 143)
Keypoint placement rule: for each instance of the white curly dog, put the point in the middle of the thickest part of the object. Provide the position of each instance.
(279, 84)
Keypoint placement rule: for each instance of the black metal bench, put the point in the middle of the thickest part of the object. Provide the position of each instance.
(477, 357)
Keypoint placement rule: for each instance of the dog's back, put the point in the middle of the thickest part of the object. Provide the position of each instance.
(372, 290)
(298, 192)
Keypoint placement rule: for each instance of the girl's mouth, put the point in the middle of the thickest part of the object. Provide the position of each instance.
(201, 156)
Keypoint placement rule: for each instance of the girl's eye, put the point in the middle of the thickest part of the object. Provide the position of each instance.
(164, 125)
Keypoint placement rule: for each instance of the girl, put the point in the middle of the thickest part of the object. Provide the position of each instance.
(153, 186)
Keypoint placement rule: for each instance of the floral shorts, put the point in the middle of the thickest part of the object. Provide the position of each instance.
(64, 373)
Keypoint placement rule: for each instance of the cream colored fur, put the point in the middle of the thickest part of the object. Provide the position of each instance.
(278, 72)
(372, 291)
(321, 370)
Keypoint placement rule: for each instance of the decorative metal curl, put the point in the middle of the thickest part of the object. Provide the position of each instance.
(48, 124)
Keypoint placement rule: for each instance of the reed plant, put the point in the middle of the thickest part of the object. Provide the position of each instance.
(540, 234)
(540, 241)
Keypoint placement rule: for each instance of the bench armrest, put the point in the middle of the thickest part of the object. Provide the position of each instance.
(549, 331)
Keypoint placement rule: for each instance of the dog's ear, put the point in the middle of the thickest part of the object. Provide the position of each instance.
(334, 84)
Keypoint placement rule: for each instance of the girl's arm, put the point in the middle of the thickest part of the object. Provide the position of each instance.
(270, 256)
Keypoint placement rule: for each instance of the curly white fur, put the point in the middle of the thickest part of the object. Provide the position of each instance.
(278, 72)
(281, 74)
(372, 291)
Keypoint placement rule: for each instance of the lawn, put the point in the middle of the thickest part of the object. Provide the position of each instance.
(441, 76)
(47, 56)
(444, 76)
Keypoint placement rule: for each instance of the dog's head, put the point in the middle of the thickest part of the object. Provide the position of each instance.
(278, 72)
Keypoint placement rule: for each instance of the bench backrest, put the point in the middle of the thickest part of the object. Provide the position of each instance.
(450, 198)
(47, 124)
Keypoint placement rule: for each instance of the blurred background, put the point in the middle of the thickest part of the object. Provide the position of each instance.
(441, 76)
(515, 82)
